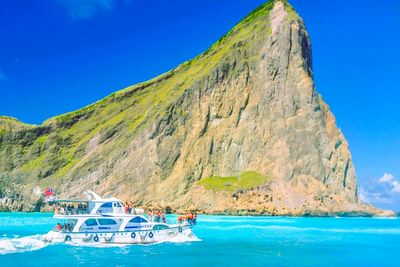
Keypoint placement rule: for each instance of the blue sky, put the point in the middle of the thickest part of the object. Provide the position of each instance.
(60, 55)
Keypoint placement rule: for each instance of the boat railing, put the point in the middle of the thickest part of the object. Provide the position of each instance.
(66, 229)
(71, 211)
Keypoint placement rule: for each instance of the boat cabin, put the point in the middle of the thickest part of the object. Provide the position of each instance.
(93, 205)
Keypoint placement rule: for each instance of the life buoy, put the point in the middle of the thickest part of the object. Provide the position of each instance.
(68, 238)
(133, 235)
(96, 239)
(180, 229)
(151, 235)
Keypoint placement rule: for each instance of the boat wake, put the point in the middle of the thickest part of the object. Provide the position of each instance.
(176, 239)
(35, 242)
(21, 244)
(181, 239)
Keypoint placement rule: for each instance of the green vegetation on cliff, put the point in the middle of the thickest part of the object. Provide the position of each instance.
(246, 180)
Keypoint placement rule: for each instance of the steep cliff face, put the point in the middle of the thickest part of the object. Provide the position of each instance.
(238, 129)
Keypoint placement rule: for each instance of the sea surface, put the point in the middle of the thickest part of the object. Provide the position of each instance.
(221, 241)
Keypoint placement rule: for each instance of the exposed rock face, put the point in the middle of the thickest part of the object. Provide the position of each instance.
(248, 103)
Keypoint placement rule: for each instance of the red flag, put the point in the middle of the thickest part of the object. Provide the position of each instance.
(49, 192)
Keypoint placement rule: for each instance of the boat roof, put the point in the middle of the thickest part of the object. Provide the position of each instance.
(87, 200)
(70, 200)
(91, 197)
(104, 215)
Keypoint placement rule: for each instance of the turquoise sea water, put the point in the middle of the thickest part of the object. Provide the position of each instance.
(223, 241)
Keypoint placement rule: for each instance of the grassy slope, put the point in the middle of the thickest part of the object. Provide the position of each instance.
(246, 180)
(54, 153)
(8, 123)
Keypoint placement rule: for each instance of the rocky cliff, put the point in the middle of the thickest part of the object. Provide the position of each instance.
(238, 129)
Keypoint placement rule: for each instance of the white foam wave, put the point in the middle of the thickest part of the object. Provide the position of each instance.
(181, 239)
(175, 239)
(21, 244)
(35, 242)
(294, 228)
(94, 244)
(246, 219)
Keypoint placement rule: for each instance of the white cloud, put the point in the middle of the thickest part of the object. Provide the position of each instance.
(396, 187)
(386, 178)
(374, 197)
(391, 181)
(85, 9)
(382, 190)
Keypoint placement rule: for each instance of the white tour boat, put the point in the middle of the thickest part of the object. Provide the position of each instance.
(103, 220)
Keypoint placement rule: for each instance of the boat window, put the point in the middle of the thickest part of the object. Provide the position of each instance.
(91, 222)
(160, 227)
(106, 221)
(138, 219)
(119, 205)
(107, 205)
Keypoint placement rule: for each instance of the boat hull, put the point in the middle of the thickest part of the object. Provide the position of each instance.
(120, 237)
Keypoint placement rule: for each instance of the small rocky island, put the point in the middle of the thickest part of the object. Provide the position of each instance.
(240, 129)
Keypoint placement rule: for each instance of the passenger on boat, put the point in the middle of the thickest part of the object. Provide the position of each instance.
(81, 209)
(67, 227)
(71, 209)
(126, 207)
(62, 209)
(130, 206)
(181, 218)
(157, 216)
(58, 227)
(189, 217)
(134, 210)
(194, 218)
(56, 209)
(150, 214)
(84, 208)
(163, 217)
